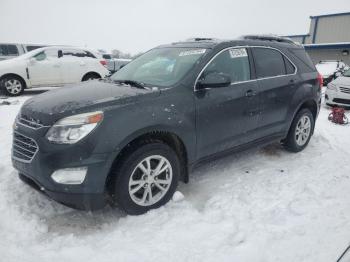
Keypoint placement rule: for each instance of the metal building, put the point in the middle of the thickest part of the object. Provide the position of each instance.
(328, 37)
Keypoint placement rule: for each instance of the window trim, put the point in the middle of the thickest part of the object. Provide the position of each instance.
(251, 80)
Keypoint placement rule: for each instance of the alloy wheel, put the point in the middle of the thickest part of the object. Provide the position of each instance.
(13, 86)
(303, 130)
(150, 180)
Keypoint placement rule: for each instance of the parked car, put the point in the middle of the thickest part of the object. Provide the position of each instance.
(330, 69)
(131, 138)
(338, 91)
(8, 50)
(49, 66)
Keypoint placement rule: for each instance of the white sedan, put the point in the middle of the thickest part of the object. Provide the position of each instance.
(50, 66)
(338, 91)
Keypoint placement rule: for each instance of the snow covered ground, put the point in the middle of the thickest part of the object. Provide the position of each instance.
(260, 205)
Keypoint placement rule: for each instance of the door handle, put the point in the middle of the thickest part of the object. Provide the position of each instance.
(250, 93)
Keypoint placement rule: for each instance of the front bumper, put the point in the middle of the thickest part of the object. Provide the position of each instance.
(88, 195)
(337, 97)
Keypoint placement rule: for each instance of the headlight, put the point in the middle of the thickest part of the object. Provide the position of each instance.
(331, 86)
(71, 129)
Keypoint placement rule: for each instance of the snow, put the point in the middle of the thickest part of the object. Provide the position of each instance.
(259, 205)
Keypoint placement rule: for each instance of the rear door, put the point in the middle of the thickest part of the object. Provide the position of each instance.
(227, 116)
(277, 81)
(75, 64)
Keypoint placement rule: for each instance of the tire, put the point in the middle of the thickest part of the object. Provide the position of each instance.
(131, 183)
(300, 132)
(91, 76)
(12, 86)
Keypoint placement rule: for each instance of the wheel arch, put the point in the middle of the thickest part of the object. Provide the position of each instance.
(90, 73)
(310, 104)
(16, 75)
(169, 138)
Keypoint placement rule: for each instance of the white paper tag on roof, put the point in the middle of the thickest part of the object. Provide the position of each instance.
(239, 52)
(192, 52)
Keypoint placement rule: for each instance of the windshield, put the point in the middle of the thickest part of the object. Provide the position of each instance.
(347, 73)
(161, 67)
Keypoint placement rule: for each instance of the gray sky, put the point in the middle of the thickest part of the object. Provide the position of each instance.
(135, 25)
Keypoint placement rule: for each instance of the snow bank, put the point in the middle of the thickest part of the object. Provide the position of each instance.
(260, 205)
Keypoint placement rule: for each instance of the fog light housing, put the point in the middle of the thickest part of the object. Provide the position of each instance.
(70, 176)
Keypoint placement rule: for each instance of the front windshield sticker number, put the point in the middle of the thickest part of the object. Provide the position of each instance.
(241, 52)
(192, 52)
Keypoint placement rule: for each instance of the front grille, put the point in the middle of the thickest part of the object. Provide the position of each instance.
(341, 101)
(23, 148)
(344, 89)
(30, 122)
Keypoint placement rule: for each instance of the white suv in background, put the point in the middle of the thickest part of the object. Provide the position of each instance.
(49, 66)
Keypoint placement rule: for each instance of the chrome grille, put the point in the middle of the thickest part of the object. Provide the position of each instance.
(23, 148)
(344, 89)
(30, 122)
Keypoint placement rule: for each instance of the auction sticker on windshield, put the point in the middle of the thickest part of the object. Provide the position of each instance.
(192, 52)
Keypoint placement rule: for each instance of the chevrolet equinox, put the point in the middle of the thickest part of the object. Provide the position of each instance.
(129, 139)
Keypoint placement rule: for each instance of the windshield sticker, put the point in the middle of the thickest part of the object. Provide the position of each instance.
(192, 52)
(235, 53)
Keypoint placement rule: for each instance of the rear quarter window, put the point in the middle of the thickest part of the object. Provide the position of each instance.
(304, 61)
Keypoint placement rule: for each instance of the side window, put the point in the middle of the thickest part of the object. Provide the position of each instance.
(268, 62)
(233, 62)
(12, 50)
(3, 50)
(290, 69)
(41, 56)
(77, 53)
(32, 47)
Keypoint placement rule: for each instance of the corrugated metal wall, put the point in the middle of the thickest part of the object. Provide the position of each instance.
(333, 29)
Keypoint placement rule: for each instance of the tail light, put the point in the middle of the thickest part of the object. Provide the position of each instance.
(320, 80)
(103, 62)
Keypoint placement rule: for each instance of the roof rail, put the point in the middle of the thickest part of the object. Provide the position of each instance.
(197, 39)
(274, 38)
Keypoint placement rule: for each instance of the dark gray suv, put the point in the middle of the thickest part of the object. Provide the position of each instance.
(131, 138)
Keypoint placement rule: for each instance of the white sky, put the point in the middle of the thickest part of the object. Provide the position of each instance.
(135, 25)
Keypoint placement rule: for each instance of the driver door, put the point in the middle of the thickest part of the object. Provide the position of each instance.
(45, 68)
(227, 116)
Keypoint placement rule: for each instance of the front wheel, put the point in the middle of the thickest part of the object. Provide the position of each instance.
(300, 131)
(12, 86)
(146, 178)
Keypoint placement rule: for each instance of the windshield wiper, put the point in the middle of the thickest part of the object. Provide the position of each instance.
(131, 83)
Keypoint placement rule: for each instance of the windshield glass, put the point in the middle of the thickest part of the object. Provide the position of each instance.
(347, 73)
(161, 67)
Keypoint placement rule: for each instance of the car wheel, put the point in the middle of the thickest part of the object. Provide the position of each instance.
(12, 86)
(300, 131)
(146, 178)
(90, 76)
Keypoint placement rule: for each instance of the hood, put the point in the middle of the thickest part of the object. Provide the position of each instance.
(83, 97)
(342, 80)
(8, 63)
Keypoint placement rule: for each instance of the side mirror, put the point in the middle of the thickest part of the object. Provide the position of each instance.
(59, 53)
(32, 60)
(214, 80)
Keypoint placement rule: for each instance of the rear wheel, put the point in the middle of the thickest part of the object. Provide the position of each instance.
(146, 178)
(91, 76)
(12, 86)
(300, 132)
